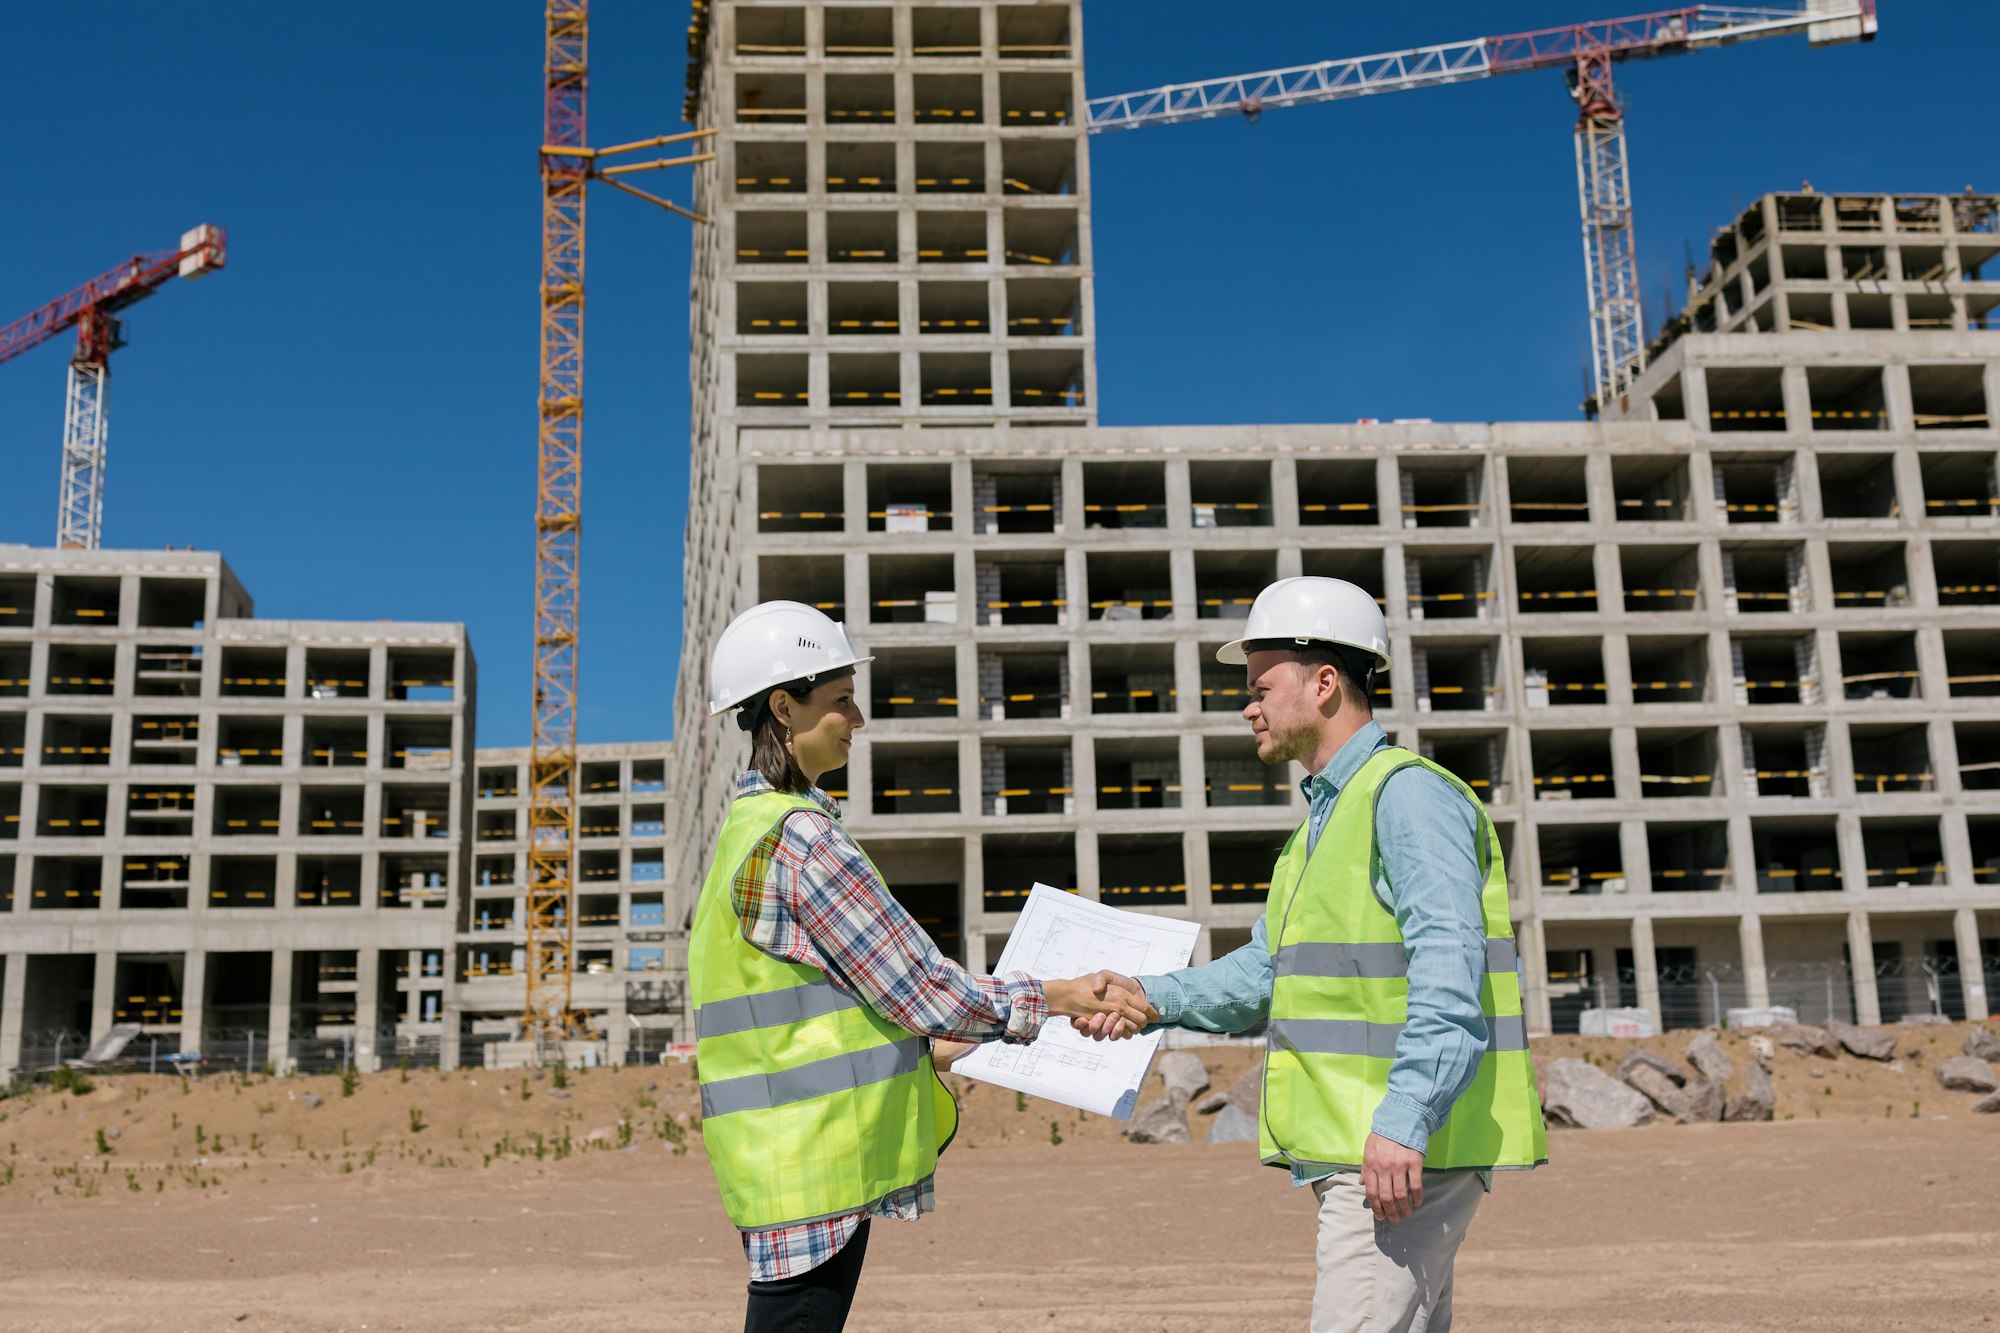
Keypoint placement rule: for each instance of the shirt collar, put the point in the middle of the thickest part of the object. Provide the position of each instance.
(754, 783)
(1346, 761)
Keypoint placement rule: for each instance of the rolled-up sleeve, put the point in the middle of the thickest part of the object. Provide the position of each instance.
(1228, 995)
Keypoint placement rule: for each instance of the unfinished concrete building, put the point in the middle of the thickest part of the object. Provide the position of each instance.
(1720, 663)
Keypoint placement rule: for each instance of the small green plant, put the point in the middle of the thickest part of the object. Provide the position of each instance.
(624, 1133)
(200, 1139)
(1020, 1101)
(103, 1144)
(1916, 1109)
(71, 1081)
(175, 1116)
(563, 1145)
(560, 1078)
(1055, 1133)
(525, 1094)
(406, 1069)
(416, 1121)
(672, 1131)
(349, 1078)
(18, 1086)
(1828, 1091)
(1888, 1111)
(540, 1148)
(253, 1141)
(267, 1069)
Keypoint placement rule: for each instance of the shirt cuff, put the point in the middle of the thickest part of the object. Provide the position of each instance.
(1403, 1120)
(1027, 1008)
(1165, 994)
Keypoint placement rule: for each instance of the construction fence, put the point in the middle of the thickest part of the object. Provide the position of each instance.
(1928, 988)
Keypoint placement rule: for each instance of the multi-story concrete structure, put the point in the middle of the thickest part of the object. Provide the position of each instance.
(1721, 663)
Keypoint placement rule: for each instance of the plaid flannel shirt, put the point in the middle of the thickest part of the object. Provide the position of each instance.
(806, 894)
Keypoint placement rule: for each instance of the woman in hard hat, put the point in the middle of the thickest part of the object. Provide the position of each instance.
(814, 990)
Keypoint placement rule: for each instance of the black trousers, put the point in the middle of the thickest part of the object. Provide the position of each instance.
(816, 1301)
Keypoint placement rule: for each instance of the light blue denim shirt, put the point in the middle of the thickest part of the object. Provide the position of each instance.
(1428, 837)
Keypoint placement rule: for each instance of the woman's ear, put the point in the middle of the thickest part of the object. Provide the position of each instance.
(781, 707)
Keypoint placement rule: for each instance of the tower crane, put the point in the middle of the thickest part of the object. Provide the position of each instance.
(1587, 51)
(93, 310)
(567, 167)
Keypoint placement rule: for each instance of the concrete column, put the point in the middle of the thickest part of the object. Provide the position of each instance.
(13, 1003)
(103, 995)
(1634, 856)
(1285, 506)
(1532, 941)
(194, 998)
(1853, 852)
(1646, 968)
(367, 1012)
(1964, 928)
(1180, 502)
(1196, 872)
(617, 1035)
(1756, 982)
(1861, 956)
(281, 1009)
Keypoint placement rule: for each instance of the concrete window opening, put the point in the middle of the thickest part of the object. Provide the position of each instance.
(1800, 212)
(1810, 310)
(1968, 572)
(497, 826)
(72, 812)
(1222, 685)
(1902, 853)
(770, 30)
(773, 308)
(324, 988)
(337, 673)
(1660, 578)
(1669, 402)
(254, 672)
(1670, 669)
(950, 167)
(862, 168)
(1805, 262)
(1015, 863)
(926, 876)
(335, 744)
(1045, 167)
(1972, 663)
(648, 912)
(770, 168)
(1124, 495)
(243, 881)
(1141, 870)
(1239, 866)
(1847, 398)
(1959, 485)
(862, 34)
(81, 600)
(1764, 579)
(649, 776)
(17, 601)
(1045, 378)
(1024, 684)
(1679, 764)
(801, 497)
(771, 379)
(780, 238)
(82, 741)
(13, 729)
(1745, 398)
(246, 812)
(949, 308)
(916, 779)
(950, 238)
(56, 1005)
(1689, 858)
(1983, 835)
(1925, 263)
(1949, 397)
(862, 99)
(910, 590)
(1864, 263)
(419, 812)
(163, 670)
(909, 498)
(168, 603)
(956, 379)
(1139, 774)
(1132, 678)
(1017, 498)
(764, 98)
(1571, 765)
(1040, 236)
(1548, 580)
(1786, 760)
(1649, 489)
(1235, 776)
(413, 881)
(1868, 575)
(328, 881)
(1024, 590)
(1929, 312)
(1455, 675)
(1362, 568)
(163, 739)
(1129, 585)
(597, 819)
(1034, 32)
(147, 990)
(1891, 757)
(596, 910)
(1580, 858)
(913, 683)
(152, 882)
(1043, 308)
(1547, 490)
(418, 746)
(857, 309)
(1758, 272)
(1796, 855)
(1230, 494)
(1978, 745)
(65, 883)
(10, 817)
(77, 669)
(864, 381)
(1858, 213)
(940, 33)
(1870, 311)
(1562, 673)
(1756, 488)
(818, 581)
(948, 99)
(492, 914)
(1858, 486)
(1880, 666)
(1227, 582)
(646, 819)
(1442, 494)
(1338, 492)
(1478, 758)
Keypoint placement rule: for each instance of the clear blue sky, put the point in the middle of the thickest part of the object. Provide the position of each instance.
(348, 412)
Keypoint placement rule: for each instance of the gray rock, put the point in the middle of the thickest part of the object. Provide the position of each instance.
(1248, 1090)
(1660, 1088)
(1868, 1043)
(1706, 1054)
(1983, 1043)
(1579, 1095)
(312, 1100)
(1966, 1073)
(1805, 1039)
(1989, 1105)
(1162, 1120)
(1183, 1072)
(1234, 1125)
(1701, 1102)
(1757, 1101)
(1212, 1103)
(1636, 1059)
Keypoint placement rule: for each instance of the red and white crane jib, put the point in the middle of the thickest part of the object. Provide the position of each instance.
(202, 250)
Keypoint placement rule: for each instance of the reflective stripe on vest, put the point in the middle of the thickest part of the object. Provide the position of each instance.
(1373, 960)
(853, 1069)
(1352, 1036)
(767, 1009)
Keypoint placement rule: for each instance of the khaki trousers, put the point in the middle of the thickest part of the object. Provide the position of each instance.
(1389, 1277)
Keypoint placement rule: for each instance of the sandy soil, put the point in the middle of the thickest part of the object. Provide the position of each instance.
(344, 1216)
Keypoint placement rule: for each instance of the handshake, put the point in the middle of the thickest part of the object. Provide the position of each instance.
(1101, 1005)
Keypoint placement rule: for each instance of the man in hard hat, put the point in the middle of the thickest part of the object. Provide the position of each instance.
(813, 990)
(1396, 1071)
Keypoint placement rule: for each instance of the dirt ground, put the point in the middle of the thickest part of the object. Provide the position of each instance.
(1872, 1203)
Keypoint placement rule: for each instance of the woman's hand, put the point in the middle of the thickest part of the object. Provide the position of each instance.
(1086, 997)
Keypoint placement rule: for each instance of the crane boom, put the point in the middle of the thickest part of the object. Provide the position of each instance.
(1589, 49)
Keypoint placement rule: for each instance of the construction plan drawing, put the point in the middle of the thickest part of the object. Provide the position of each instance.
(1061, 935)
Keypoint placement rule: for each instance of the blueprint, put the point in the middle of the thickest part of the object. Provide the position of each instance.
(1061, 935)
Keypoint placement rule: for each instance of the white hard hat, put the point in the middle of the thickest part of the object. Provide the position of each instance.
(1314, 610)
(774, 643)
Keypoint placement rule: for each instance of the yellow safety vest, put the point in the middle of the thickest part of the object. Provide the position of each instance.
(1340, 994)
(812, 1104)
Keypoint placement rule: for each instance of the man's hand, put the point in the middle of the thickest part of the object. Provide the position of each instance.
(1098, 1007)
(944, 1051)
(1099, 1027)
(1392, 1177)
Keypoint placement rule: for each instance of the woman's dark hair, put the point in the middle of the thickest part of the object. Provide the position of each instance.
(768, 754)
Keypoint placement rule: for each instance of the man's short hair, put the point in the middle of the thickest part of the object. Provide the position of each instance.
(1356, 667)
